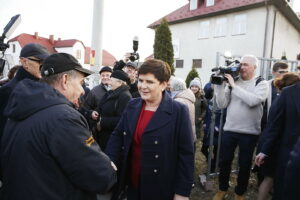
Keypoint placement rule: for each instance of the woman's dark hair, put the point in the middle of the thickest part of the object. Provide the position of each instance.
(160, 69)
(13, 71)
(287, 79)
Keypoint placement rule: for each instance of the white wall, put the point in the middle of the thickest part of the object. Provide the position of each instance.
(68, 50)
(286, 38)
(72, 51)
(193, 48)
(15, 55)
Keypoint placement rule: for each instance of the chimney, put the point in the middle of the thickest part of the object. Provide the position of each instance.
(51, 39)
(36, 35)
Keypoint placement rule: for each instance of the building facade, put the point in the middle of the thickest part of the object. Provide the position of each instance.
(202, 28)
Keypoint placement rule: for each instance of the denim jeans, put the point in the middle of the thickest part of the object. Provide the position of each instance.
(246, 144)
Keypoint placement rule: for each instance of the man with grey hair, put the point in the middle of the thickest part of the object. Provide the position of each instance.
(46, 143)
(244, 102)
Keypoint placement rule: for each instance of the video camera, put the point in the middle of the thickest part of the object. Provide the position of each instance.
(7, 31)
(232, 68)
(135, 56)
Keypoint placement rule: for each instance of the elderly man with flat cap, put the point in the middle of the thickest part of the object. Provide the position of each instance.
(47, 151)
(31, 58)
(95, 95)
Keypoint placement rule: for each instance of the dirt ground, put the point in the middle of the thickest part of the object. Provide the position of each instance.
(198, 192)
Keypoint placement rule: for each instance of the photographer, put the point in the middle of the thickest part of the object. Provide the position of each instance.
(131, 70)
(243, 100)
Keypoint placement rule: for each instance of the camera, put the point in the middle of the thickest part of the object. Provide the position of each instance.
(232, 68)
(134, 55)
(119, 65)
(7, 31)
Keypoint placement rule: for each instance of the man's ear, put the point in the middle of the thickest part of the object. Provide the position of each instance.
(64, 82)
(23, 62)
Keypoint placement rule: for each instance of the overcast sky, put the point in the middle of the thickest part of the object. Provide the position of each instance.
(72, 19)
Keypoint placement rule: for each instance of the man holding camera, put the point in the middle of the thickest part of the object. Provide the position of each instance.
(131, 70)
(244, 102)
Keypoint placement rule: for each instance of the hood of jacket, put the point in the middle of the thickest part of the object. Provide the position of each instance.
(30, 97)
(186, 94)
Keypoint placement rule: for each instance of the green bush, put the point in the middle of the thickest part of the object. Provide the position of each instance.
(163, 47)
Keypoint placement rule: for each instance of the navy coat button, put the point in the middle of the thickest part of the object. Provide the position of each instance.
(123, 147)
(155, 170)
(124, 133)
(155, 142)
(156, 156)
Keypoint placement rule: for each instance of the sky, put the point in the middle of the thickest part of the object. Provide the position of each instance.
(72, 19)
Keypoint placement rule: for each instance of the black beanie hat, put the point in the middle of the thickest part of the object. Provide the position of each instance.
(121, 75)
(105, 69)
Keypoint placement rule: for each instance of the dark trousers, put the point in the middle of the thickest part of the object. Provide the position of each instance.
(133, 193)
(246, 144)
(205, 151)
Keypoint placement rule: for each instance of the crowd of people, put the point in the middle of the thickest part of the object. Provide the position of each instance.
(134, 135)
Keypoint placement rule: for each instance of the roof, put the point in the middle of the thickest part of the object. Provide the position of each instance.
(25, 38)
(224, 7)
(221, 7)
(66, 43)
(107, 58)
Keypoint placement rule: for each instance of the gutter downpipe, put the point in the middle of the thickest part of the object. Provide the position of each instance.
(273, 33)
(263, 66)
(266, 29)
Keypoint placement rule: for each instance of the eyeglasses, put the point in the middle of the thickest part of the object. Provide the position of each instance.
(282, 72)
(35, 60)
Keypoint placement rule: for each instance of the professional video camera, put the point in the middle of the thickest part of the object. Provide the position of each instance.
(135, 56)
(7, 31)
(232, 68)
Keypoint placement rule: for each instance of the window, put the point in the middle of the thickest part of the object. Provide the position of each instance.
(78, 54)
(193, 4)
(197, 63)
(210, 3)
(221, 27)
(204, 30)
(179, 63)
(239, 24)
(14, 48)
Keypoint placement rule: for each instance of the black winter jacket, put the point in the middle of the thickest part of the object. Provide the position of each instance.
(110, 109)
(47, 151)
(7, 89)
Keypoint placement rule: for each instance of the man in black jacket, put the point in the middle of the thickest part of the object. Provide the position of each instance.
(95, 95)
(47, 151)
(31, 57)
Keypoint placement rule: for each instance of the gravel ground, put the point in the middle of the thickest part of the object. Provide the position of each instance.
(198, 192)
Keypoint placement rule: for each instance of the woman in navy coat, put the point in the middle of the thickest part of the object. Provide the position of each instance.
(283, 129)
(153, 143)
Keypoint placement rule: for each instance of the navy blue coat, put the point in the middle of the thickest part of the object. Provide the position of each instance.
(167, 163)
(47, 151)
(283, 129)
(5, 92)
(292, 175)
